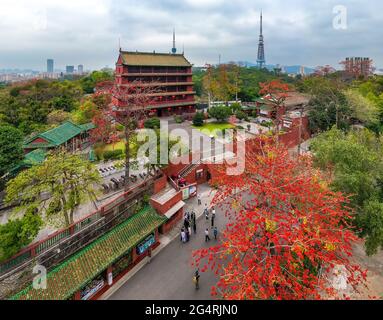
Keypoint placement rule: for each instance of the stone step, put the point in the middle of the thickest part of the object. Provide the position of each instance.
(165, 195)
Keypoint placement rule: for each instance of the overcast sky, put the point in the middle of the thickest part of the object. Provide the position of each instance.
(86, 32)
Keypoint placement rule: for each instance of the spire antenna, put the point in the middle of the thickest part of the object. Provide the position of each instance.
(261, 61)
(174, 49)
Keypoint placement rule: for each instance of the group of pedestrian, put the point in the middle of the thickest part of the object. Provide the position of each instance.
(207, 234)
(212, 219)
(189, 223)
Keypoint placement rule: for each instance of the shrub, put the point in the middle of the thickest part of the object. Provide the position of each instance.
(236, 107)
(152, 123)
(113, 154)
(240, 115)
(221, 113)
(120, 127)
(267, 124)
(178, 119)
(198, 119)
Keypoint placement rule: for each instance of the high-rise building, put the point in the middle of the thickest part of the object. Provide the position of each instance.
(70, 69)
(50, 65)
(80, 69)
(261, 61)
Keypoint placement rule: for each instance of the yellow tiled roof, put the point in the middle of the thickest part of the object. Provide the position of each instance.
(154, 59)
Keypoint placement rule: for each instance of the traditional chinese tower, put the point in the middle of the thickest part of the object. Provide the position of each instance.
(261, 49)
(170, 74)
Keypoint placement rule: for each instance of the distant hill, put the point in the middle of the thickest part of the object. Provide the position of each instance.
(295, 69)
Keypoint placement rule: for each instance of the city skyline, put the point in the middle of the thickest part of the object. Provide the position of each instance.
(295, 33)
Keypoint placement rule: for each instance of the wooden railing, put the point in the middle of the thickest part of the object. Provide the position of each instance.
(38, 248)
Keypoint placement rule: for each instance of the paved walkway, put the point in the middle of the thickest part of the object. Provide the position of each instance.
(169, 274)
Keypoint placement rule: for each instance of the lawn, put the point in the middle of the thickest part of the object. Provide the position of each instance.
(115, 146)
(213, 127)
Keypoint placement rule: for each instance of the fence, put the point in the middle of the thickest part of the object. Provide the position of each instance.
(108, 211)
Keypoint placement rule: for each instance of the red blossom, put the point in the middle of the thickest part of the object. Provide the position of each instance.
(285, 236)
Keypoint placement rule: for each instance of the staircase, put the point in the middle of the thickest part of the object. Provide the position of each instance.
(189, 168)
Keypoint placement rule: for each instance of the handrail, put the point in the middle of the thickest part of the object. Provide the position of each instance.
(46, 243)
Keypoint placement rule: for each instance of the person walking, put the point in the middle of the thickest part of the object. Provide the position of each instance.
(187, 234)
(215, 233)
(186, 223)
(199, 199)
(212, 220)
(190, 231)
(206, 212)
(194, 227)
(207, 238)
(149, 254)
(192, 216)
(183, 235)
(196, 279)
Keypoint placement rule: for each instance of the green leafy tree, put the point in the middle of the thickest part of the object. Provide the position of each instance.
(199, 119)
(152, 123)
(328, 105)
(363, 110)
(18, 233)
(11, 151)
(55, 188)
(56, 117)
(87, 111)
(88, 83)
(63, 103)
(354, 162)
(221, 113)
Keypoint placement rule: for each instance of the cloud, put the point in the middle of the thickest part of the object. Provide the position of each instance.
(87, 31)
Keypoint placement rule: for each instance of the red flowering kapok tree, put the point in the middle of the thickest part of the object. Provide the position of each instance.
(104, 130)
(287, 232)
(275, 93)
(134, 103)
(324, 71)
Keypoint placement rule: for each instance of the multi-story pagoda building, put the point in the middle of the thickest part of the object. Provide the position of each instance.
(171, 75)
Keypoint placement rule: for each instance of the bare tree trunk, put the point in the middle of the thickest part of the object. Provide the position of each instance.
(127, 157)
(66, 217)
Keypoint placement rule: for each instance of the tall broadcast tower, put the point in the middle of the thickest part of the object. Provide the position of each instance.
(174, 49)
(261, 62)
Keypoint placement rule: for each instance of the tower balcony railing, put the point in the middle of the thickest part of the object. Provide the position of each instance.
(157, 83)
(138, 74)
(172, 93)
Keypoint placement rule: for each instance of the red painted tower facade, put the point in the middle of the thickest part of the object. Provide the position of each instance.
(170, 74)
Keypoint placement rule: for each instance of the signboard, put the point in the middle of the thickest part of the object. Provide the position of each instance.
(189, 191)
(185, 193)
(110, 278)
(192, 191)
(144, 245)
(90, 290)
